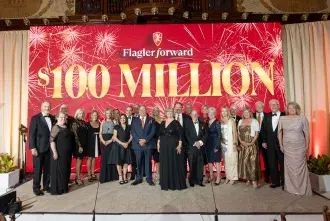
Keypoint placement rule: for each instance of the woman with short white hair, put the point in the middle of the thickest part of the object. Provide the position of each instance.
(213, 145)
(293, 136)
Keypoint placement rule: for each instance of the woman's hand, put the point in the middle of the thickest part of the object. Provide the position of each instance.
(80, 150)
(178, 149)
(243, 143)
(158, 148)
(125, 145)
(55, 156)
(282, 148)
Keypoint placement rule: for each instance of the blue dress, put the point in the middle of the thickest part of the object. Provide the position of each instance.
(213, 148)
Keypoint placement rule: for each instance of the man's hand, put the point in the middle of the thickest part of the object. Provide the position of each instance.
(55, 156)
(34, 152)
(197, 144)
(80, 150)
(142, 142)
(264, 145)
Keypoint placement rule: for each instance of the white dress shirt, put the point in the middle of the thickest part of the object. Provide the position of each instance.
(197, 132)
(144, 120)
(275, 119)
(181, 119)
(129, 120)
(261, 116)
(49, 122)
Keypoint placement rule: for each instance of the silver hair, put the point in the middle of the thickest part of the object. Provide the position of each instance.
(296, 106)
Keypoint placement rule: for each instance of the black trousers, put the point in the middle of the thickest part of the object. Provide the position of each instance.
(196, 166)
(264, 153)
(275, 157)
(41, 165)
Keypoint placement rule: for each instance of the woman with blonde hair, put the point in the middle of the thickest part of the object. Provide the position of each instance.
(108, 171)
(169, 145)
(293, 136)
(248, 132)
(229, 145)
(158, 121)
(93, 144)
(61, 140)
(80, 131)
(213, 145)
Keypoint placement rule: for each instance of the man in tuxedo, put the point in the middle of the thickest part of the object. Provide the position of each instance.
(182, 118)
(136, 109)
(69, 121)
(259, 115)
(196, 135)
(39, 136)
(269, 129)
(143, 129)
(129, 115)
(233, 112)
(188, 109)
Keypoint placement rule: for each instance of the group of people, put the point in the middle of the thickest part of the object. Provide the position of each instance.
(182, 137)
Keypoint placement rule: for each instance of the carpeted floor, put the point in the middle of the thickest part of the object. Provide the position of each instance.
(115, 198)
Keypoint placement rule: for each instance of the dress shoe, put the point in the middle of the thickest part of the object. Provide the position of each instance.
(38, 192)
(136, 182)
(151, 183)
(274, 186)
(47, 190)
(132, 178)
(201, 184)
(191, 184)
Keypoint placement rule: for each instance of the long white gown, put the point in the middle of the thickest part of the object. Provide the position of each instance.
(230, 156)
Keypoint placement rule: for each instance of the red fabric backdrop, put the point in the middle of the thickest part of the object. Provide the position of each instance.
(89, 66)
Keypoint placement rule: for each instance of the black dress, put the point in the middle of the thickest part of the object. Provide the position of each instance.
(80, 130)
(93, 144)
(172, 175)
(120, 155)
(213, 151)
(59, 178)
(155, 153)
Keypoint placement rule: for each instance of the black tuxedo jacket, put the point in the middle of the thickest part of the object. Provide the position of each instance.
(260, 139)
(238, 118)
(185, 119)
(39, 134)
(192, 136)
(267, 134)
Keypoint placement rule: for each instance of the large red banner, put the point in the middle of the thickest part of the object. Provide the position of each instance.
(113, 66)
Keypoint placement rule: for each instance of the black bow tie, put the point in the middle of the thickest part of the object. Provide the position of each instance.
(196, 122)
(46, 116)
(274, 115)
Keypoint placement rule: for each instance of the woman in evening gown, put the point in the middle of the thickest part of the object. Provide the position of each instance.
(169, 145)
(213, 147)
(121, 154)
(229, 145)
(293, 136)
(248, 160)
(108, 171)
(155, 155)
(61, 141)
(93, 144)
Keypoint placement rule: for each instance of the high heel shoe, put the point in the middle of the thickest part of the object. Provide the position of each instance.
(125, 180)
(78, 182)
(121, 182)
(94, 177)
(90, 179)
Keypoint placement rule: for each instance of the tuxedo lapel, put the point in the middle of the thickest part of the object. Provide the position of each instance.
(200, 129)
(43, 120)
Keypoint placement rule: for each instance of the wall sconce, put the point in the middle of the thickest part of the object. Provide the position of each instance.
(104, 18)
(65, 19)
(186, 15)
(45, 21)
(137, 11)
(205, 16)
(26, 21)
(224, 16)
(265, 17)
(245, 15)
(154, 11)
(171, 11)
(285, 17)
(85, 18)
(304, 17)
(123, 16)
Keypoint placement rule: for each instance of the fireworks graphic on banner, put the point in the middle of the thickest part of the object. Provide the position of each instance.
(57, 48)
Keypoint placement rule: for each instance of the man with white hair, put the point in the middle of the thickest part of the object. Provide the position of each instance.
(259, 115)
(196, 136)
(233, 112)
(269, 130)
(39, 144)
